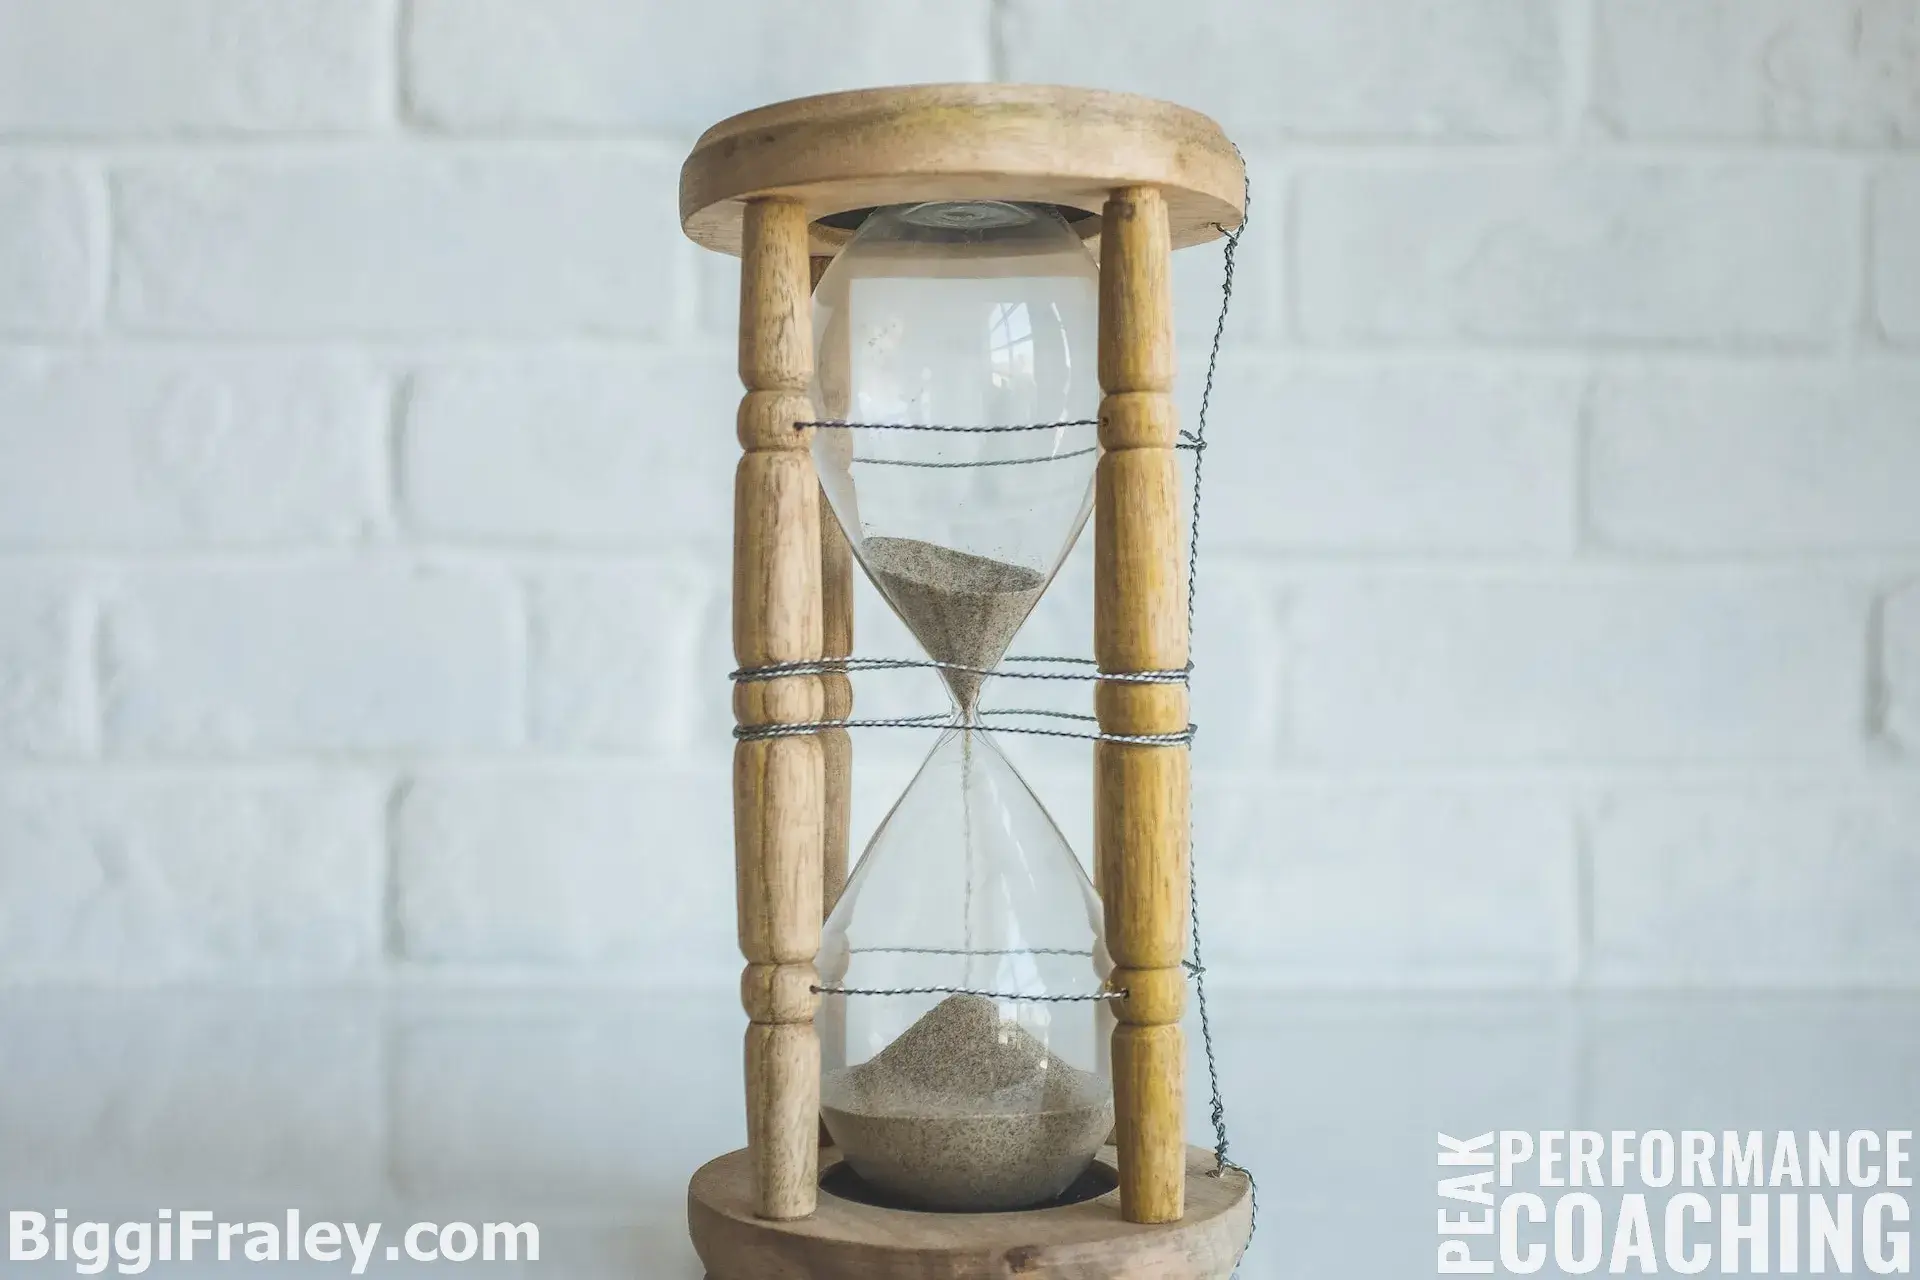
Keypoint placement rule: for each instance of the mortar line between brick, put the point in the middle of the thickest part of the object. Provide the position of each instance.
(100, 219)
(1879, 691)
(394, 479)
(1586, 544)
(997, 39)
(521, 712)
(92, 626)
(404, 118)
(1577, 48)
(392, 923)
(1867, 334)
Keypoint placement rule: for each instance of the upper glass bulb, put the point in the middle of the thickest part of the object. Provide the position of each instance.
(968, 314)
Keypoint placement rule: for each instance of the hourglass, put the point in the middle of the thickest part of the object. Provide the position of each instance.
(986, 361)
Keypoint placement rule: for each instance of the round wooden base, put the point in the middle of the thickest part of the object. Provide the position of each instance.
(1043, 143)
(847, 1240)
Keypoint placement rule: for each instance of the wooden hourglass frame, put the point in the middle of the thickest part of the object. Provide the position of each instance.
(767, 185)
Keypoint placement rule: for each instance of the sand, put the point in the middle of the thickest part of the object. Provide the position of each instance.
(965, 1111)
(963, 608)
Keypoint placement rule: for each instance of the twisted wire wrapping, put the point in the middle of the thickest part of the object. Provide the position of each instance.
(1217, 1106)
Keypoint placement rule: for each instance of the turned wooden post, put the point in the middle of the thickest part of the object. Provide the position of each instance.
(778, 783)
(1140, 624)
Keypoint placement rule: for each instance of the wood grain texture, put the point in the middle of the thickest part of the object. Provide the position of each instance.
(1148, 1066)
(776, 290)
(1140, 624)
(779, 792)
(779, 818)
(783, 1112)
(845, 1240)
(1042, 143)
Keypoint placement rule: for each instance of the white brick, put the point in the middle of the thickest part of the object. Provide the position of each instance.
(617, 869)
(1900, 666)
(1391, 458)
(1615, 252)
(1483, 68)
(109, 1098)
(1410, 669)
(98, 67)
(1896, 255)
(1386, 885)
(137, 451)
(48, 253)
(1774, 885)
(346, 658)
(638, 450)
(1798, 70)
(570, 1102)
(1759, 459)
(671, 69)
(508, 244)
(144, 880)
(633, 658)
(46, 686)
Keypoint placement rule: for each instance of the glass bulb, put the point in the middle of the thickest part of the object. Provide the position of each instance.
(959, 313)
(964, 1066)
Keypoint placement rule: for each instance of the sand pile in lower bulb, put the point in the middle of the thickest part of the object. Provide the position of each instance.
(963, 608)
(967, 1111)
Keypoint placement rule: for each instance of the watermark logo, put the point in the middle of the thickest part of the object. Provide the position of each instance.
(1628, 1201)
(132, 1247)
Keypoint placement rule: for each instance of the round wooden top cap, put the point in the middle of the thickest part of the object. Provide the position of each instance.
(1040, 143)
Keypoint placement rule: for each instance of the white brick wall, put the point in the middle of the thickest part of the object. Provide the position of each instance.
(168, 67)
(141, 879)
(1815, 71)
(360, 657)
(52, 251)
(140, 450)
(497, 66)
(365, 457)
(1827, 460)
(397, 242)
(1606, 252)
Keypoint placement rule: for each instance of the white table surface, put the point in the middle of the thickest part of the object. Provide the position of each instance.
(586, 1111)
